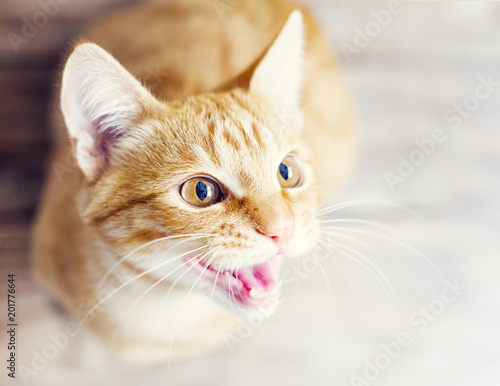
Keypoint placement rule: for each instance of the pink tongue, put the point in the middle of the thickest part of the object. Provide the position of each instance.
(261, 277)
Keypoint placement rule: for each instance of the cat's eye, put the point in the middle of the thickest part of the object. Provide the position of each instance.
(289, 174)
(201, 192)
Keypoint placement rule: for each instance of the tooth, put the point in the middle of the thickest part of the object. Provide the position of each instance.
(256, 294)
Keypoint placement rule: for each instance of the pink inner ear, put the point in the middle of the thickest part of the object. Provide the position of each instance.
(100, 100)
(105, 138)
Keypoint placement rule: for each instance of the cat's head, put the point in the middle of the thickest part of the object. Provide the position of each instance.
(209, 191)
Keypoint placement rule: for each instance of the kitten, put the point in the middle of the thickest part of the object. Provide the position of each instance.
(190, 187)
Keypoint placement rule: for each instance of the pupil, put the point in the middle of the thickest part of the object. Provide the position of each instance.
(201, 190)
(284, 171)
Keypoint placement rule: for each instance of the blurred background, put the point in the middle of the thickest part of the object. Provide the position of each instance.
(425, 78)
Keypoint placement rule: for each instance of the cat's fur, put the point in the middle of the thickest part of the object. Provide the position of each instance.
(224, 105)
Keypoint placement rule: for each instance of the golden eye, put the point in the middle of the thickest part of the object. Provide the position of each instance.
(289, 174)
(200, 192)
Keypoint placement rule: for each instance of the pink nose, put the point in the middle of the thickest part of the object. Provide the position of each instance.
(281, 233)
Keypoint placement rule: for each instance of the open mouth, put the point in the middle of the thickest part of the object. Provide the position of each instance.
(253, 286)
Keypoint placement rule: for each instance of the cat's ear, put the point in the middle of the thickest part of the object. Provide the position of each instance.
(101, 102)
(278, 76)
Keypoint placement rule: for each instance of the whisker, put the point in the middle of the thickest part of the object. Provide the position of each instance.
(328, 287)
(128, 282)
(231, 296)
(358, 221)
(354, 240)
(333, 260)
(176, 281)
(184, 302)
(239, 289)
(145, 293)
(390, 239)
(346, 204)
(165, 297)
(211, 320)
(149, 243)
(385, 283)
(231, 293)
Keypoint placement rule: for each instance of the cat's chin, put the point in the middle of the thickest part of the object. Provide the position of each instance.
(251, 288)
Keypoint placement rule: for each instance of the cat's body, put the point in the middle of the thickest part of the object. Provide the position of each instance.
(179, 49)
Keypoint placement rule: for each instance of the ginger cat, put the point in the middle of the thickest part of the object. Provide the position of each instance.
(190, 187)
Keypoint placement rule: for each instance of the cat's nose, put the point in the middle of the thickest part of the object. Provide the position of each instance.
(280, 232)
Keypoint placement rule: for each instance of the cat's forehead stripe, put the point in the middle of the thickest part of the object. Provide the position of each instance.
(256, 134)
(241, 136)
(231, 140)
(235, 122)
(249, 142)
(210, 125)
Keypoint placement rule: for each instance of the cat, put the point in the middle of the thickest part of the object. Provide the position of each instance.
(204, 141)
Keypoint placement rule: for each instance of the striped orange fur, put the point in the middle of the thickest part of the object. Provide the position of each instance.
(215, 104)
